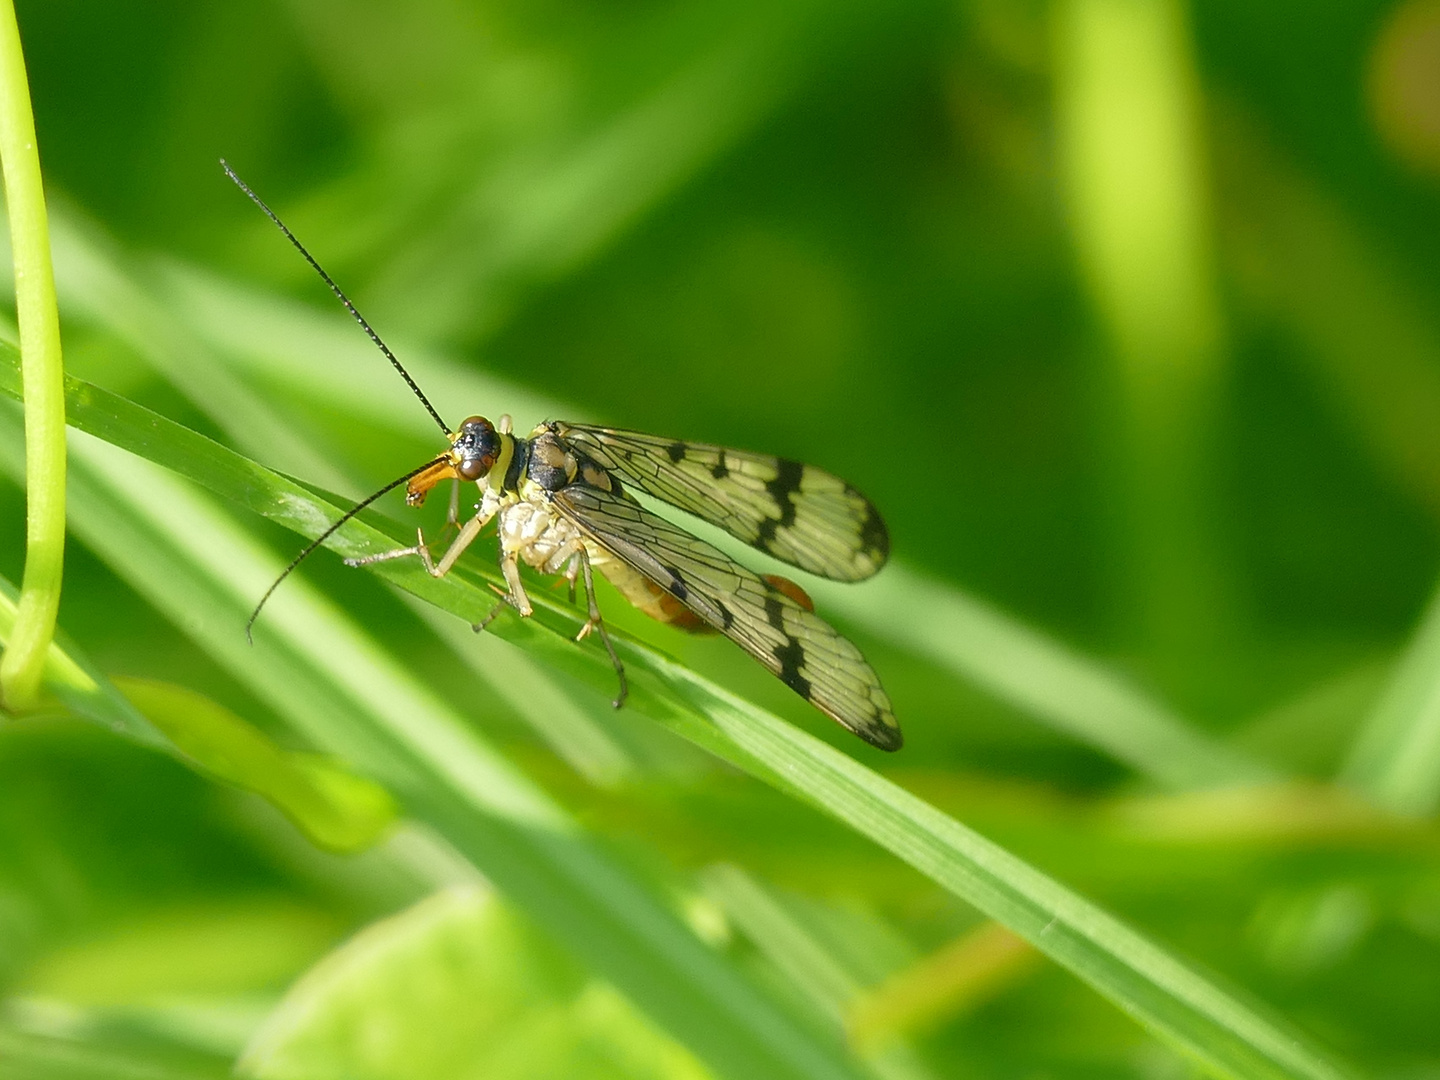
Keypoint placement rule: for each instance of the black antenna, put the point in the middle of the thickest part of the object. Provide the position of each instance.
(340, 295)
(361, 505)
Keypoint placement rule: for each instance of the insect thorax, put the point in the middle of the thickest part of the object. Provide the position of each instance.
(529, 525)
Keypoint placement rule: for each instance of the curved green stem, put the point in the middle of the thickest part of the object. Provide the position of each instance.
(24, 659)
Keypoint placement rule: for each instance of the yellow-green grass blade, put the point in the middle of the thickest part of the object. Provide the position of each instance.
(1179, 1004)
(1395, 760)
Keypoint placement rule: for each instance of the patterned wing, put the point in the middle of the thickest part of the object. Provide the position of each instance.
(806, 653)
(798, 513)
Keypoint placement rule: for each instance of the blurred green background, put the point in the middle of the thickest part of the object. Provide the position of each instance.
(1124, 312)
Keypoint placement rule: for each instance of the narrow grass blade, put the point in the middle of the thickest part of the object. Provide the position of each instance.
(1395, 760)
(351, 699)
(1174, 1000)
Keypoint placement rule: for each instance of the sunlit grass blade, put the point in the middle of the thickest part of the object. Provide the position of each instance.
(1395, 760)
(349, 698)
(1157, 988)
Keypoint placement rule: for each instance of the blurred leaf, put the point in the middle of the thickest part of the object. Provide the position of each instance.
(42, 1057)
(1395, 759)
(335, 808)
(247, 944)
(457, 987)
(179, 533)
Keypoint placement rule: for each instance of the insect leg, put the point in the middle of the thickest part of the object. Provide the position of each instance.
(515, 597)
(420, 548)
(595, 622)
(457, 547)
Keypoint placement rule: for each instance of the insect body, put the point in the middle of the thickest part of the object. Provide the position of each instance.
(562, 502)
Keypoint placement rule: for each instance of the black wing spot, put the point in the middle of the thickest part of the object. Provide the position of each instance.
(791, 655)
(774, 610)
(727, 617)
(873, 535)
(782, 489)
(676, 452)
(678, 588)
(720, 470)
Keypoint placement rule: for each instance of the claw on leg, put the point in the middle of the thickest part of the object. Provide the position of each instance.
(514, 597)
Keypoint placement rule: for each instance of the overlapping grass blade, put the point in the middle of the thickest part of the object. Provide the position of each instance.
(376, 729)
(349, 698)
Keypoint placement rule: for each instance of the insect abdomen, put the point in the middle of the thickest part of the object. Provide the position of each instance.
(646, 595)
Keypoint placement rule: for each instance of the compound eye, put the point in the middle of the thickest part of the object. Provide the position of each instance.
(478, 447)
(475, 468)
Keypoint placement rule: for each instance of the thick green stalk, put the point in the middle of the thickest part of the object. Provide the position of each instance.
(24, 659)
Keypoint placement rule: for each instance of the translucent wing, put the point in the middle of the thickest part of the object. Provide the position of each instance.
(798, 513)
(806, 653)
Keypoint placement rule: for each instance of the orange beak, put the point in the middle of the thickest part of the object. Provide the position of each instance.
(421, 483)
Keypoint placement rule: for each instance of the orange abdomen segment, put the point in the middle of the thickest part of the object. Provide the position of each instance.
(651, 598)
